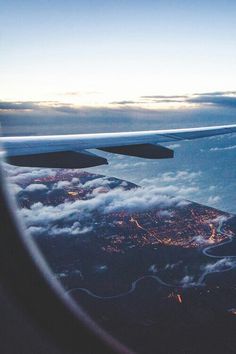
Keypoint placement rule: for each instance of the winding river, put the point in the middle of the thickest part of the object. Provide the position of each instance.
(230, 264)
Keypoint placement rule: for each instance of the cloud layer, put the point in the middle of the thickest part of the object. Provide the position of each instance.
(76, 216)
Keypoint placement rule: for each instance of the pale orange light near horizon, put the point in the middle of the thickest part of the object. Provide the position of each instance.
(77, 86)
(119, 54)
(90, 99)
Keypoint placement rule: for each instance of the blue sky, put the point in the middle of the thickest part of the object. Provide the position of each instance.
(95, 66)
(92, 53)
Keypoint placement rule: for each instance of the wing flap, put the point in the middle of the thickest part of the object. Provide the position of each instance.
(148, 151)
(62, 159)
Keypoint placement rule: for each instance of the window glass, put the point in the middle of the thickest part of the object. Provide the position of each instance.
(145, 246)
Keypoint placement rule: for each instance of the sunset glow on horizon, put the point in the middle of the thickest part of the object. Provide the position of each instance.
(99, 52)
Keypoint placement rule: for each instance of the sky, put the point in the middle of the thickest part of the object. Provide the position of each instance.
(110, 53)
(97, 66)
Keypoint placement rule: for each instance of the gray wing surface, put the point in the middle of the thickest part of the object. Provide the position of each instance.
(71, 151)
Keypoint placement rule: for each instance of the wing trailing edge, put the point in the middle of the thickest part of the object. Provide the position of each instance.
(60, 159)
(148, 151)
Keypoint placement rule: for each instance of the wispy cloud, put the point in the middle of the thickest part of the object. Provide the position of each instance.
(224, 99)
(173, 146)
(125, 102)
(152, 112)
(165, 97)
(217, 100)
(214, 200)
(232, 147)
(16, 106)
(216, 93)
(170, 177)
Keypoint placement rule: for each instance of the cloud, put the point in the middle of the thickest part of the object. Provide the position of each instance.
(165, 97)
(36, 187)
(214, 200)
(62, 185)
(139, 199)
(173, 146)
(124, 102)
(19, 175)
(174, 265)
(212, 188)
(125, 165)
(121, 166)
(98, 182)
(187, 281)
(124, 110)
(40, 215)
(221, 219)
(152, 99)
(39, 118)
(66, 108)
(219, 266)
(18, 106)
(139, 164)
(216, 93)
(101, 268)
(56, 230)
(153, 269)
(170, 177)
(69, 216)
(37, 230)
(222, 265)
(74, 229)
(200, 240)
(15, 188)
(217, 100)
(171, 189)
(232, 147)
(165, 213)
(180, 183)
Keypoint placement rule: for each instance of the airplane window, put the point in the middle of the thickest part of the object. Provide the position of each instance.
(139, 253)
(120, 153)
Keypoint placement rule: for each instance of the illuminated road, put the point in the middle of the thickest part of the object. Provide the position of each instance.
(137, 223)
(142, 228)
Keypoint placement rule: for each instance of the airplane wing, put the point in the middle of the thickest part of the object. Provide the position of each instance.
(71, 151)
